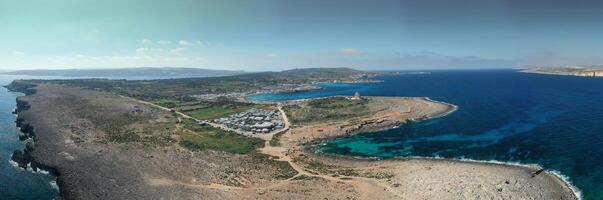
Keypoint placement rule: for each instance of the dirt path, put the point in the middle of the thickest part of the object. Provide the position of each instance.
(268, 149)
(215, 125)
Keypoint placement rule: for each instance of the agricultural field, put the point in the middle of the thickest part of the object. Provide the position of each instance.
(202, 137)
(214, 110)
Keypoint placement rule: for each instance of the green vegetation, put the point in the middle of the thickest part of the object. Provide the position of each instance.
(207, 137)
(122, 136)
(334, 108)
(336, 103)
(214, 110)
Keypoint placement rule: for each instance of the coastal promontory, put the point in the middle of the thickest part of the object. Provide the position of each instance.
(177, 139)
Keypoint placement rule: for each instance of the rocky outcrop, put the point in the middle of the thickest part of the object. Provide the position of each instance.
(22, 87)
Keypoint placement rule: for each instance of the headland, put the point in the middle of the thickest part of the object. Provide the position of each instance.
(110, 140)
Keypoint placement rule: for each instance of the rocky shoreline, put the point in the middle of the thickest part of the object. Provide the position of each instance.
(24, 158)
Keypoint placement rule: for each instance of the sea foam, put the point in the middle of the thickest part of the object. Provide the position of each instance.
(53, 185)
(14, 164)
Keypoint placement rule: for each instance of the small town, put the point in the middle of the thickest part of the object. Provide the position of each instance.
(254, 120)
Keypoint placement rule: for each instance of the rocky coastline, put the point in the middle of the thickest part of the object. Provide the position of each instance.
(24, 158)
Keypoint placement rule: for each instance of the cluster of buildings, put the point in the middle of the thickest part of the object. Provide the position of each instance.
(254, 120)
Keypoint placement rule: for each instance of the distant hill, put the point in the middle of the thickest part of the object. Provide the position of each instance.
(312, 75)
(143, 72)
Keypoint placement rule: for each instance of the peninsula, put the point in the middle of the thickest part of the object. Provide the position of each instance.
(199, 138)
(585, 71)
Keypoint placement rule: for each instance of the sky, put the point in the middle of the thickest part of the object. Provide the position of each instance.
(282, 34)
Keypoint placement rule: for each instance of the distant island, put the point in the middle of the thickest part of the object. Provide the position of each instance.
(143, 72)
(200, 138)
(586, 71)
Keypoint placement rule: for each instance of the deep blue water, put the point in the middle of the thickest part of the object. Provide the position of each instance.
(16, 183)
(554, 121)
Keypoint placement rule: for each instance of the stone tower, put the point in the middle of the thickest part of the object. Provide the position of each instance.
(356, 96)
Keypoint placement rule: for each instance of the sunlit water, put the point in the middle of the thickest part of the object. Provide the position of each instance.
(553, 121)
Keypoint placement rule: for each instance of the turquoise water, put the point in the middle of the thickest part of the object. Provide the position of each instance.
(553, 121)
(16, 183)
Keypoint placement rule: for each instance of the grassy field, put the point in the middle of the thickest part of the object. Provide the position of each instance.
(221, 110)
(207, 137)
(334, 108)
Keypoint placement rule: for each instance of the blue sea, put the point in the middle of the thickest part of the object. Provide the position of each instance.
(504, 115)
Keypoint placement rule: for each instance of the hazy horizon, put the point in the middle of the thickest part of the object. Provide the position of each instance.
(278, 35)
(254, 71)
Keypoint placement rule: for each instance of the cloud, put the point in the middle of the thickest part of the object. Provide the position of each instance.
(351, 52)
(148, 50)
(19, 53)
(146, 41)
(185, 43)
(87, 57)
(199, 43)
(178, 50)
(164, 42)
